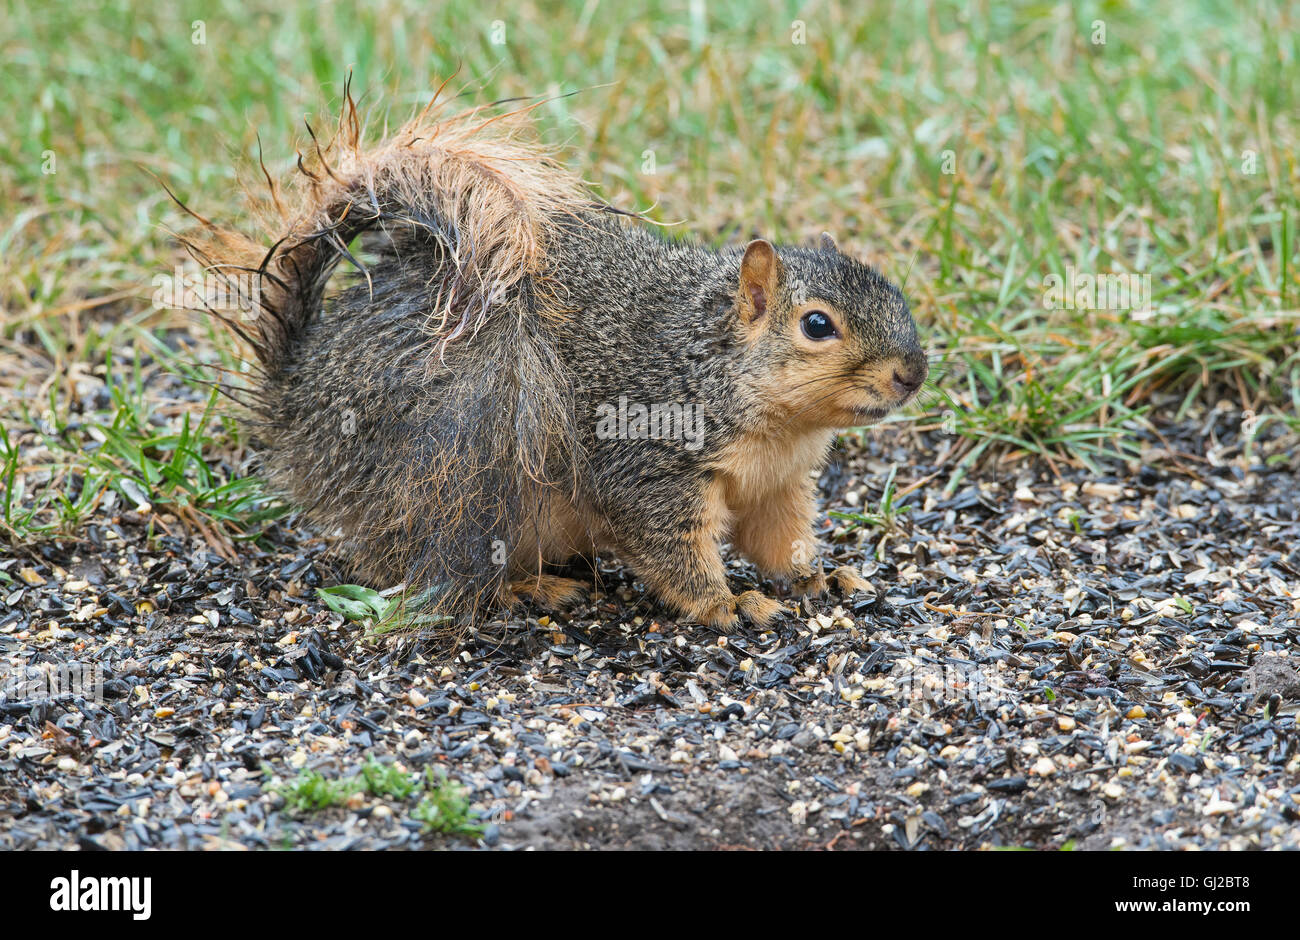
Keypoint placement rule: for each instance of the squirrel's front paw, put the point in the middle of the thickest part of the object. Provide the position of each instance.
(815, 584)
(812, 585)
(849, 580)
(722, 614)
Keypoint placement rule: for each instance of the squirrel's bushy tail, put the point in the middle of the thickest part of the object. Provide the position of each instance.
(422, 410)
(472, 181)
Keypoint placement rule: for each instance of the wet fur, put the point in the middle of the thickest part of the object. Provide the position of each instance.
(441, 412)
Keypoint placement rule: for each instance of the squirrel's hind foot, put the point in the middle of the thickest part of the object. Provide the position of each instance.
(758, 607)
(548, 590)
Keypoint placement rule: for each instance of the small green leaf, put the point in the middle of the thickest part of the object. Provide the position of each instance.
(354, 601)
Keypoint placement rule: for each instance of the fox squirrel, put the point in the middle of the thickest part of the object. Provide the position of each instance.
(521, 375)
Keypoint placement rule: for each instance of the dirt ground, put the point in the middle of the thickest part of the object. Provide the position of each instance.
(1049, 658)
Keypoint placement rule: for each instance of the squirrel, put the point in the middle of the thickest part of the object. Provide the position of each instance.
(520, 375)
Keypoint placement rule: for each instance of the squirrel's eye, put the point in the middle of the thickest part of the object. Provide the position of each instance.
(816, 325)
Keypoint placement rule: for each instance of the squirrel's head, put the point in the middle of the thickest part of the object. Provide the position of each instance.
(838, 341)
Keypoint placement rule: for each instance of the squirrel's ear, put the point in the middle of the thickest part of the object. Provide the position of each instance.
(760, 277)
(828, 243)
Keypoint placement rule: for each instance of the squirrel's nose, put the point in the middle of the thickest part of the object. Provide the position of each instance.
(907, 380)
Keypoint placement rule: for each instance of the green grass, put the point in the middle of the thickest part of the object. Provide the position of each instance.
(311, 791)
(442, 805)
(444, 808)
(172, 466)
(887, 511)
(972, 152)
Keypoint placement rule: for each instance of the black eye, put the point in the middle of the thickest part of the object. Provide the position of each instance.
(816, 325)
